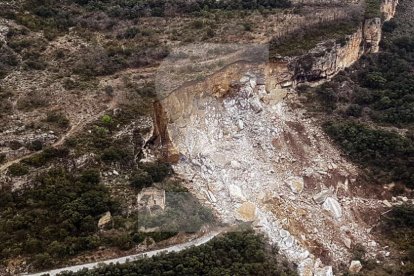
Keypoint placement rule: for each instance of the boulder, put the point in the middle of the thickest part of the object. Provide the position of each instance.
(387, 203)
(256, 105)
(240, 124)
(235, 164)
(333, 206)
(321, 196)
(246, 212)
(105, 220)
(236, 193)
(305, 268)
(348, 242)
(355, 266)
(296, 184)
(324, 271)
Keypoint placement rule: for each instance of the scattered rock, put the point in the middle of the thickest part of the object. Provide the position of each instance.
(240, 124)
(244, 79)
(348, 242)
(296, 184)
(305, 268)
(286, 84)
(236, 193)
(355, 266)
(256, 105)
(105, 220)
(324, 271)
(372, 244)
(333, 206)
(246, 212)
(321, 196)
(235, 164)
(387, 203)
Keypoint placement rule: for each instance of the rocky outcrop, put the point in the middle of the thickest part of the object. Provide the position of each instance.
(330, 57)
(105, 220)
(388, 9)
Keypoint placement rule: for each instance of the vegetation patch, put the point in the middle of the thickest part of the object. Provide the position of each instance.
(301, 41)
(238, 253)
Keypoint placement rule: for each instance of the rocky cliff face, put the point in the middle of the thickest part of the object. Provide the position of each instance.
(330, 57)
(253, 157)
(388, 8)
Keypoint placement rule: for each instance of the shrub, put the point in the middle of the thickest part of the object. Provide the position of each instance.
(354, 110)
(3, 158)
(57, 118)
(140, 179)
(106, 120)
(113, 154)
(35, 145)
(157, 170)
(90, 176)
(18, 169)
(42, 260)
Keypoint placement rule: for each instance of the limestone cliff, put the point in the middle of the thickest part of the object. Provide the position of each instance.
(330, 57)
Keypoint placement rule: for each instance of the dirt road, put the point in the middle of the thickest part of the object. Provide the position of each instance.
(175, 248)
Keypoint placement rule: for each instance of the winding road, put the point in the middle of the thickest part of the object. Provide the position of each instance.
(175, 248)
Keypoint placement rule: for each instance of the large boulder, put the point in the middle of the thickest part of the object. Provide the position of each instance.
(246, 212)
(355, 266)
(321, 196)
(296, 184)
(333, 206)
(105, 220)
(236, 193)
(324, 271)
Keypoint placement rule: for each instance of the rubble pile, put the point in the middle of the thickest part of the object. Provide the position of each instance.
(270, 165)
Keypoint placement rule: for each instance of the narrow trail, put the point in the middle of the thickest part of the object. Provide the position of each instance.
(175, 248)
(74, 128)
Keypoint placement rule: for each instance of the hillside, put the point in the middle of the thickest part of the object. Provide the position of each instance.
(130, 126)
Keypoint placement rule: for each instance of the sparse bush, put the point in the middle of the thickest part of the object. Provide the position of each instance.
(112, 154)
(3, 158)
(107, 120)
(90, 176)
(58, 119)
(157, 170)
(31, 101)
(354, 110)
(35, 145)
(18, 169)
(140, 179)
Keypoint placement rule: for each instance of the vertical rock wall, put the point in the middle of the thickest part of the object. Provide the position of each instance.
(330, 57)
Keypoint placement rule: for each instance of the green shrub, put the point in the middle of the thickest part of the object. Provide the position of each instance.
(354, 110)
(90, 176)
(372, 8)
(157, 170)
(113, 153)
(35, 145)
(3, 158)
(57, 118)
(107, 120)
(140, 179)
(18, 169)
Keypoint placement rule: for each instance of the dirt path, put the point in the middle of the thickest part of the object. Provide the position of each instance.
(74, 128)
(175, 248)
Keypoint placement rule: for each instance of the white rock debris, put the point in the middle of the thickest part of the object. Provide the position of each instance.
(333, 206)
(265, 163)
(355, 266)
